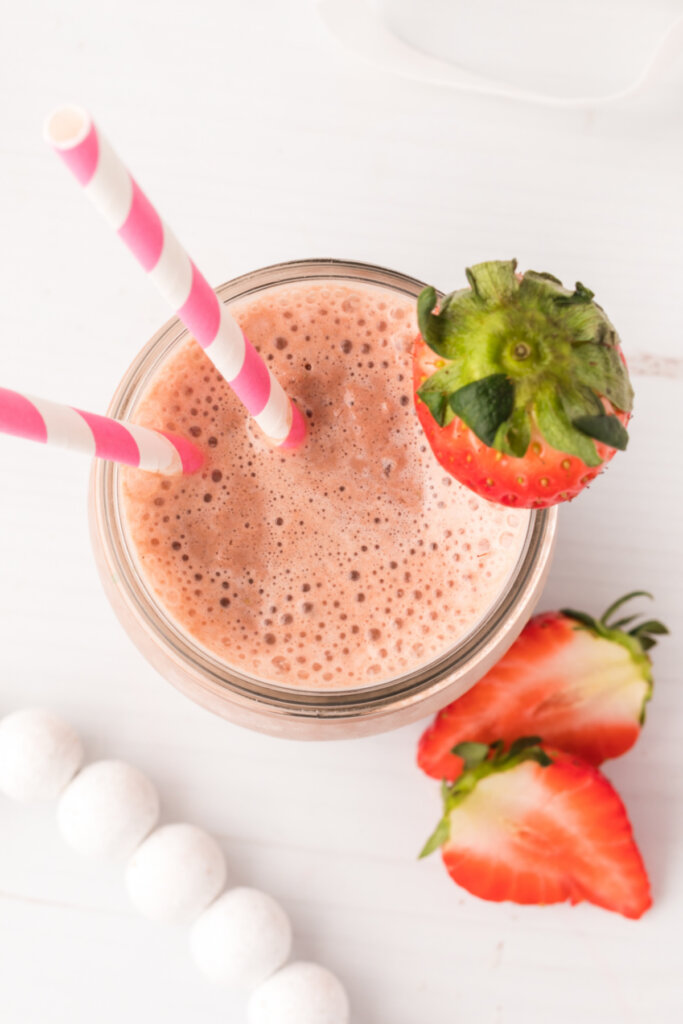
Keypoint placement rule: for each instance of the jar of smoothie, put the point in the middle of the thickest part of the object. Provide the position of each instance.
(342, 589)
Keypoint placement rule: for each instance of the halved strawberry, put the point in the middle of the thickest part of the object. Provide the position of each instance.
(520, 385)
(533, 825)
(580, 683)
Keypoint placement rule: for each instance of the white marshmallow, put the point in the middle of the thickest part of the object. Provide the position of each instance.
(39, 754)
(241, 939)
(107, 810)
(175, 873)
(301, 993)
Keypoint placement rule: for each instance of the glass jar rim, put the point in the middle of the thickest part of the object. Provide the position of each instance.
(505, 617)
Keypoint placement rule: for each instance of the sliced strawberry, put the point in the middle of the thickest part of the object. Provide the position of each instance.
(538, 826)
(520, 385)
(580, 683)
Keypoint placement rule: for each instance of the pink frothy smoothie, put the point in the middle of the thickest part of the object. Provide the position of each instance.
(346, 563)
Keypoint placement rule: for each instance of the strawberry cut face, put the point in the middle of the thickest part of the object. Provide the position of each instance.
(580, 692)
(579, 683)
(540, 833)
(503, 841)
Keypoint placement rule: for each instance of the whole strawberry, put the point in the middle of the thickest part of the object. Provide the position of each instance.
(520, 385)
(578, 682)
(533, 825)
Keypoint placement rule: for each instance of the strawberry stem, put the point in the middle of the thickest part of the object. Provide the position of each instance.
(621, 601)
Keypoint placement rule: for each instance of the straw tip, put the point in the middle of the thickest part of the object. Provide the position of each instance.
(66, 127)
(191, 457)
(297, 431)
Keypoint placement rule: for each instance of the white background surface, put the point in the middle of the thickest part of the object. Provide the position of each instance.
(260, 139)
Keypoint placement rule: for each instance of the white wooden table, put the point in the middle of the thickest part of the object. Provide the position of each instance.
(261, 140)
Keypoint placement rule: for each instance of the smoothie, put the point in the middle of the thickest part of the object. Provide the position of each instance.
(349, 562)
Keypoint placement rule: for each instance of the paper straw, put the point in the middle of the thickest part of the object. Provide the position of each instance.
(118, 197)
(39, 420)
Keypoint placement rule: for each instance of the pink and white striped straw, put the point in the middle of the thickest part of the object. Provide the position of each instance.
(109, 185)
(39, 420)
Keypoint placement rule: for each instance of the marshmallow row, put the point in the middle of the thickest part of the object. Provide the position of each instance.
(177, 873)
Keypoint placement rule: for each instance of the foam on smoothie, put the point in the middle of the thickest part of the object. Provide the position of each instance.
(345, 563)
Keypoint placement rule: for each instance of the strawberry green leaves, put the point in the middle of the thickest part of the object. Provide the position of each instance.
(522, 356)
(582, 296)
(494, 281)
(559, 431)
(484, 405)
(603, 428)
(647, 632)
(439, 836)
(514, 436)
(600, 368)
(438, 389)
(607, 626)
(431, 327)
(472, 754)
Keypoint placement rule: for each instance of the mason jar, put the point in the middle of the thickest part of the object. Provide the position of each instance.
(290, 710)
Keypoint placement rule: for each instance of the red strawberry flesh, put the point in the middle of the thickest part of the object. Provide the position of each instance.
(544, 477)
(539, 834)
(579, 684)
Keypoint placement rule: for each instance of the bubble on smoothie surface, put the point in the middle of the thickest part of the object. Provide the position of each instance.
(343, 564)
